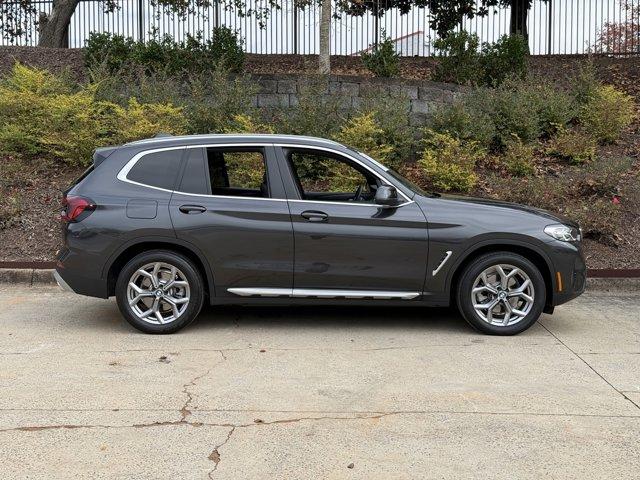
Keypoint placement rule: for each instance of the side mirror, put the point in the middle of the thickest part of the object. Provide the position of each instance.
(386, 195)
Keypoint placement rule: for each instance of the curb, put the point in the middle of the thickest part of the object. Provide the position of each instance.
(29, 276)
(33, 276)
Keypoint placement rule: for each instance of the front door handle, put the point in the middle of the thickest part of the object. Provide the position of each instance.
(314, 216)
(192, 209)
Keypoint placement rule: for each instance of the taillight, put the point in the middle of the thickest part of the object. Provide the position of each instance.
(76, 208)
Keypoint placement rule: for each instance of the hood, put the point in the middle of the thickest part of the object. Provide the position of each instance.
(511, 206)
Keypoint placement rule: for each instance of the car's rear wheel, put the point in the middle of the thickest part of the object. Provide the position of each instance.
(501, 293)
(159, 292)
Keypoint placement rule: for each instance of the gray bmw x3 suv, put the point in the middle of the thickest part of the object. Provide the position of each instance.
(169, 223)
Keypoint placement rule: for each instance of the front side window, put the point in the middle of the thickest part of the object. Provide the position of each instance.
(323, 176)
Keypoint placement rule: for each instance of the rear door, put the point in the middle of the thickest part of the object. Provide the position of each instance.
(230, 203)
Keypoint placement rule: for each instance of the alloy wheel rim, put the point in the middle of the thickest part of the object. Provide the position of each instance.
(158, 293)
(502, 295)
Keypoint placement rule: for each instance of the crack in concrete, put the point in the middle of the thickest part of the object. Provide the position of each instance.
(215, 456)
(185, 411)
(260, 423)
(283, 349)
(590, 367)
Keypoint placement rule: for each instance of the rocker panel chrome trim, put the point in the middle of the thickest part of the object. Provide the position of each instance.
(322, 293)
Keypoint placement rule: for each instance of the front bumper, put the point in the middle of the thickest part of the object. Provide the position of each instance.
(570, 272)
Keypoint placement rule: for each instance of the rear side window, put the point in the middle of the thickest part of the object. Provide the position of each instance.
(158, 169)
(226, 171)
(240, 172)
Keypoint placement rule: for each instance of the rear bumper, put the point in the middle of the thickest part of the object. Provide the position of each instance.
(61, 283)
(71, 274)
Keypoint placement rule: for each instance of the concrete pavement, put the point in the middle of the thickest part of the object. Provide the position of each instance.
(316, 393)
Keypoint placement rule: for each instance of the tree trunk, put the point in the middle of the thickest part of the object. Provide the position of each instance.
(325, 38)
(519, 14)
(54, 27)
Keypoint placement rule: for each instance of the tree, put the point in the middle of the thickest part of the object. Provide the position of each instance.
(325, 38)
(623, 36)
(445, 15)
(17, 16)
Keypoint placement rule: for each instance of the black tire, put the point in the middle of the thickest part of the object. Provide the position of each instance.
(188, 271)
(475, 269)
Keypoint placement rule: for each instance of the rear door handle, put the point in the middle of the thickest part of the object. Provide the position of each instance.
(314, 216)
(192, 209)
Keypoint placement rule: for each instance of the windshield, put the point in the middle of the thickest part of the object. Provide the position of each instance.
(405, 182)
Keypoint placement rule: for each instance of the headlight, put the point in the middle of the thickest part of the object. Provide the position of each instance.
(563, 233)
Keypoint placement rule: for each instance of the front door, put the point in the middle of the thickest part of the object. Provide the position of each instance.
(343, 240)
(230, 204)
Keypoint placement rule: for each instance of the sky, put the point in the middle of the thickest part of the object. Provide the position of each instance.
(574, 26)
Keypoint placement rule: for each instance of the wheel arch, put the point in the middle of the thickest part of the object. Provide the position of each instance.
(528, 251)
(119, 259)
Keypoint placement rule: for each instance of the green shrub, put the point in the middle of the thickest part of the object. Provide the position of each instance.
(465, 63)
(573, 145)
(392, 117)
(606, 113)
(212, 100)
(493, 116)
(518, 158)
(364, 133)
(448, 163)
(41, 115)
(460, 60)
(111, 51)
(504, 59)
(554, 107)
(247, 124)
(382, 61)
(510, 110)
(585, 83)
(463, 122)
(225, 49)
(209, 100)
(163, 54)
(144, 120)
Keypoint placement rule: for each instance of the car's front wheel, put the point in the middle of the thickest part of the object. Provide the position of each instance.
(159, 291)
(501, 293)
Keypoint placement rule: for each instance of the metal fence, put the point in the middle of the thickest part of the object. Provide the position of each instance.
(554, 27)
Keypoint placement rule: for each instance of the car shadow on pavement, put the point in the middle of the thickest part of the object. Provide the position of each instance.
(322, 317)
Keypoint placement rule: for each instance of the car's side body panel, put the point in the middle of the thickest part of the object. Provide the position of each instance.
(360, 247)
(265, 243)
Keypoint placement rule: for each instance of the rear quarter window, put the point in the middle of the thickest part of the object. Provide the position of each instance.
(157, 169)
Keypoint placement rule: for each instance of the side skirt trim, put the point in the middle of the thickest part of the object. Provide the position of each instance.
(321, 293)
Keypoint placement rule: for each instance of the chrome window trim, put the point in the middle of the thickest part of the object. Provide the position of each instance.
(322, 293)
(350, 157)
(124, 171)
(351, 204)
